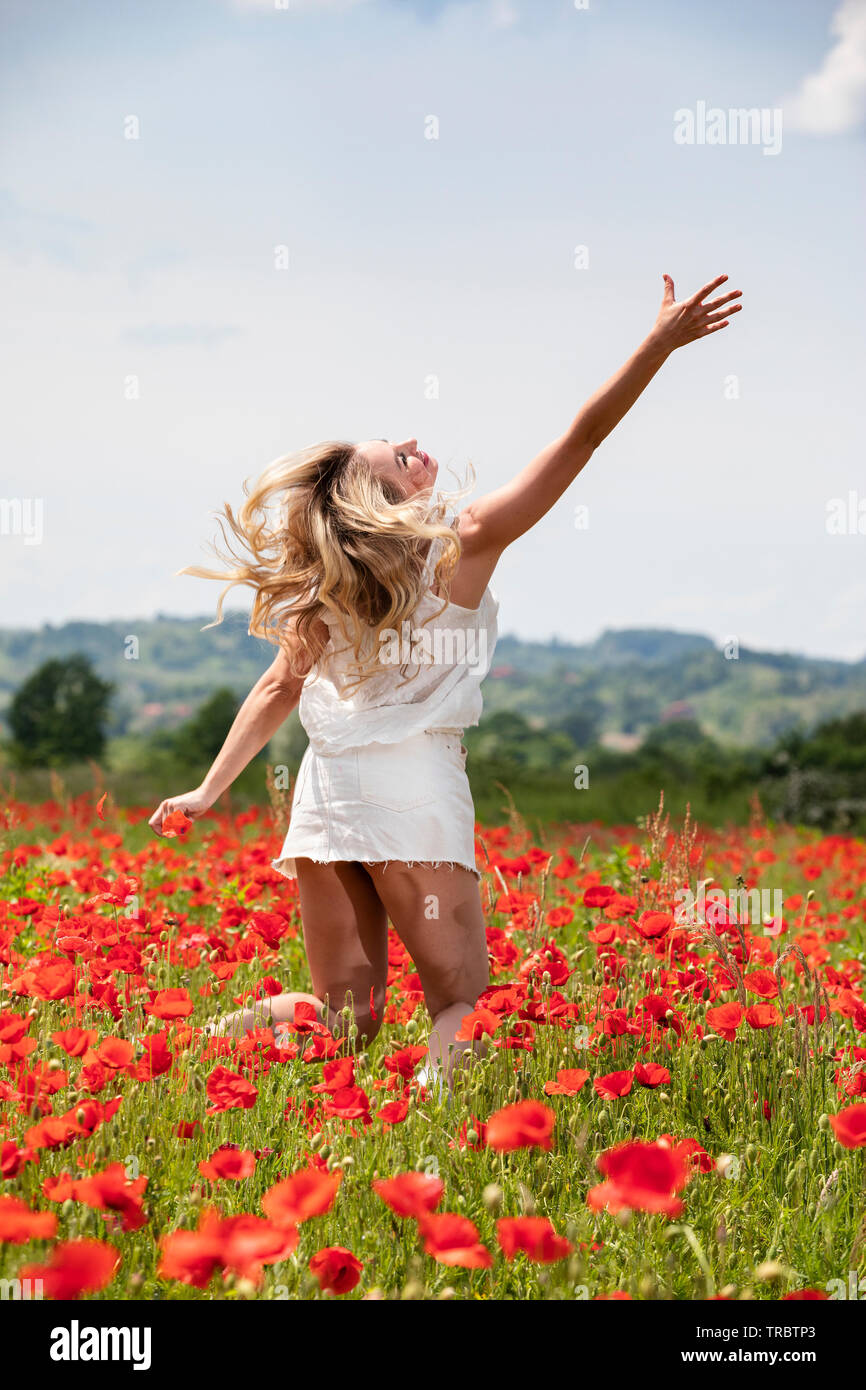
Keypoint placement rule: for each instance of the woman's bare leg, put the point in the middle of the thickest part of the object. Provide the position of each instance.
(346, 938)
(449, 948)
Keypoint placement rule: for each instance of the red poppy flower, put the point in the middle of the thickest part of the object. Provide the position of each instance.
(568, 1082)
(115, 1053)
(528, 1124)
(726, 1019)
(19, 1223)
(75, 1267)
(535, 1236)
(59, 1188)
(615, 1085)
(643, 1177)
(763, 1016)
(249, 1242)
(654, 925)
(762, 982)
(337, 1075)
(651, 1074)
(12, 1159)
(336, 1269)
(111, 1190)
(453, 1240)
(156, 1058)
(849, 1126)
(228, 1090)
(231, 1164)
(404, 1062)
(476, 1024)
(55, 979)
(410, 1194)
(191, 1257)
(170, 1003)
(351, 1102)
(598, 896)
(174, 824)
(306, 1193)
(75, 1041)
(394, 1113)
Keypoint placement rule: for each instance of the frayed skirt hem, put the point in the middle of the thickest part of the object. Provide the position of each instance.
(286, 866)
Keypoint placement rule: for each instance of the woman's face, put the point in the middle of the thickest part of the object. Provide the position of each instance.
(410, 467)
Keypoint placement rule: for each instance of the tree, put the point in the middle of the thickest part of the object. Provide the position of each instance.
(58, 715)
(200, 739)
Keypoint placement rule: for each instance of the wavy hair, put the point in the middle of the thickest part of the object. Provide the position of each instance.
(320, 534)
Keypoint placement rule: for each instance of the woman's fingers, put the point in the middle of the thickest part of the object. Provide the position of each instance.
(715, 318)
(713, 284)
(156, 819)
(723, 299)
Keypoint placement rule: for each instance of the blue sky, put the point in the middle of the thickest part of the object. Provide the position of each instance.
(151, 261)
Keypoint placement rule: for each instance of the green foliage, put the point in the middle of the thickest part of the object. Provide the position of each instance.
(200, 739)
(58, 715)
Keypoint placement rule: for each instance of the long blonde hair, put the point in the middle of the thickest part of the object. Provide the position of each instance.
(321, 534)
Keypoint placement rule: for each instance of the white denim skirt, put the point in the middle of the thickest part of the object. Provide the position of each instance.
(408, 801)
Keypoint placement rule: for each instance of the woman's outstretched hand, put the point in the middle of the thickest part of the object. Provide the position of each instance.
(682, 322)
(193, 804)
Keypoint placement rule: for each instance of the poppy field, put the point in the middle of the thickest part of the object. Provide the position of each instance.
(670, 1107)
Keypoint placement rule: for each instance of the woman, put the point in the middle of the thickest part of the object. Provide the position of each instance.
(385, 626)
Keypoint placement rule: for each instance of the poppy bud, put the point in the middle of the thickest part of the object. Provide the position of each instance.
(411, 1028)
(472, 1136)
(492, 1196)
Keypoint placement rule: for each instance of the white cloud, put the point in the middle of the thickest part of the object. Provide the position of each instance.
(832, 100)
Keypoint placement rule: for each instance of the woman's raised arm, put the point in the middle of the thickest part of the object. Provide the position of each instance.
(495, 520)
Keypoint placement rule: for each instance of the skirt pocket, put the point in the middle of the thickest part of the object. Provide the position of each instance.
(389, 776)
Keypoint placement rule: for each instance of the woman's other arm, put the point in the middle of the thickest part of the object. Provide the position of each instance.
(269, 703)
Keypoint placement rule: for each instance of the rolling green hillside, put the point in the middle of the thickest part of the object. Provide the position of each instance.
(618, 687)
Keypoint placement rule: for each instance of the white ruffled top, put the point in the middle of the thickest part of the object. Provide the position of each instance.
(445, 660)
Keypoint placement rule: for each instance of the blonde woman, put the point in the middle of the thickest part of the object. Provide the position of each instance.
(378, 600)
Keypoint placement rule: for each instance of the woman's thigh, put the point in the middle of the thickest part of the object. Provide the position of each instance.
(437, 914)
(345, 934)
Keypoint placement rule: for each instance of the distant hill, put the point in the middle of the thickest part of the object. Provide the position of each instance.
(617, 687)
